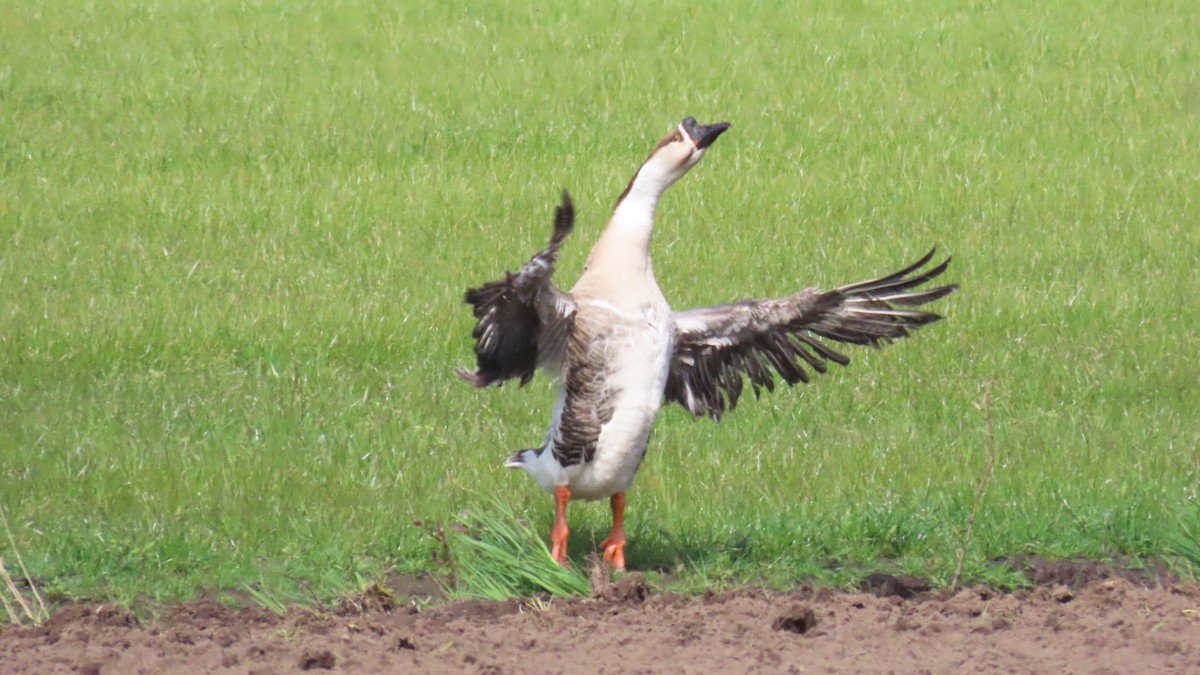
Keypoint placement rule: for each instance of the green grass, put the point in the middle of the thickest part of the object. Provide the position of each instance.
(234, 238)
(497, 554)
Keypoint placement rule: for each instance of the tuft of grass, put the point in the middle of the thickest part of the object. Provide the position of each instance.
(1186, 545)
(266, 599)
(497, 554)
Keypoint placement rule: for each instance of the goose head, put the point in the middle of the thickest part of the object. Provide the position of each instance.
(682, 148)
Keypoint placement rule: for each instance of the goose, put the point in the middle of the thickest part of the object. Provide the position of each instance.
(618, 351)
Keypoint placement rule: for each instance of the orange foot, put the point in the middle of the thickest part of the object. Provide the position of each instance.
(614, 546)
(558, 551)
(614, 551)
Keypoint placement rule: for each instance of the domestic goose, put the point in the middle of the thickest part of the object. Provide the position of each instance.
(617, 350)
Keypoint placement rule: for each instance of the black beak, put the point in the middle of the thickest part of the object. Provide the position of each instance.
(703, 135)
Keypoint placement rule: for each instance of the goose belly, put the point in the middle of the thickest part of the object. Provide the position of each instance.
(638, 375)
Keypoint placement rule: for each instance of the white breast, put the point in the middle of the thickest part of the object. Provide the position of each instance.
(640, 347)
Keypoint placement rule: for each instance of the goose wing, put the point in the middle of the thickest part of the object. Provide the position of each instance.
(717, 347)
(523, 319)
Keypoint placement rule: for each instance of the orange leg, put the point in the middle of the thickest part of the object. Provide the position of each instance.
(560, 531)
(614, 546)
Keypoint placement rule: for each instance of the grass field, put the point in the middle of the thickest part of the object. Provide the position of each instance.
(234, 238)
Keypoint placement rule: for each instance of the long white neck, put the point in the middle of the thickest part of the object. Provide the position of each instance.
(622, 255)
(633, 218)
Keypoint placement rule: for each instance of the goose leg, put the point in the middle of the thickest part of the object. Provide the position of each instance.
(558, 533)
(614, 546)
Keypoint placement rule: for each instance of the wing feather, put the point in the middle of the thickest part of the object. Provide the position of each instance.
(717, 348)
(523, 319)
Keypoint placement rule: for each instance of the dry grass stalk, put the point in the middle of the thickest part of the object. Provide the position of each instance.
(34, 614)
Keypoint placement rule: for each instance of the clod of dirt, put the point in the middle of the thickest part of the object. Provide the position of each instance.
(323, 659)
(886, 585)
(967, 602)
(114, 617)
(479, 609)
(378, 596)
(1062, 594)
(1077, 574)
(798, 620)
(631, 589)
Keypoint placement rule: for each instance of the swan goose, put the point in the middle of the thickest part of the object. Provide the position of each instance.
(618, 351)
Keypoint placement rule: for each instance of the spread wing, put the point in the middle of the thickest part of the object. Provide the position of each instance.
(717, 347)
(522, 319)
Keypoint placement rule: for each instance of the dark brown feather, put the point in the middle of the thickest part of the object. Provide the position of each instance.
(513, 313)
(716, 348)
(588, 404)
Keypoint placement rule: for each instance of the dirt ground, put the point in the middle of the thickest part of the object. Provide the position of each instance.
(1095, 625)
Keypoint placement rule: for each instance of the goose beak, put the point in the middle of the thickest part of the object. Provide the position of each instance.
(703, 135)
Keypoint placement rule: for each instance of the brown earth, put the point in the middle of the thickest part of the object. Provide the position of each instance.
(1109, 625)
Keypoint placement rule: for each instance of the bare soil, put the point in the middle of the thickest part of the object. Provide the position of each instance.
(1099, 625)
